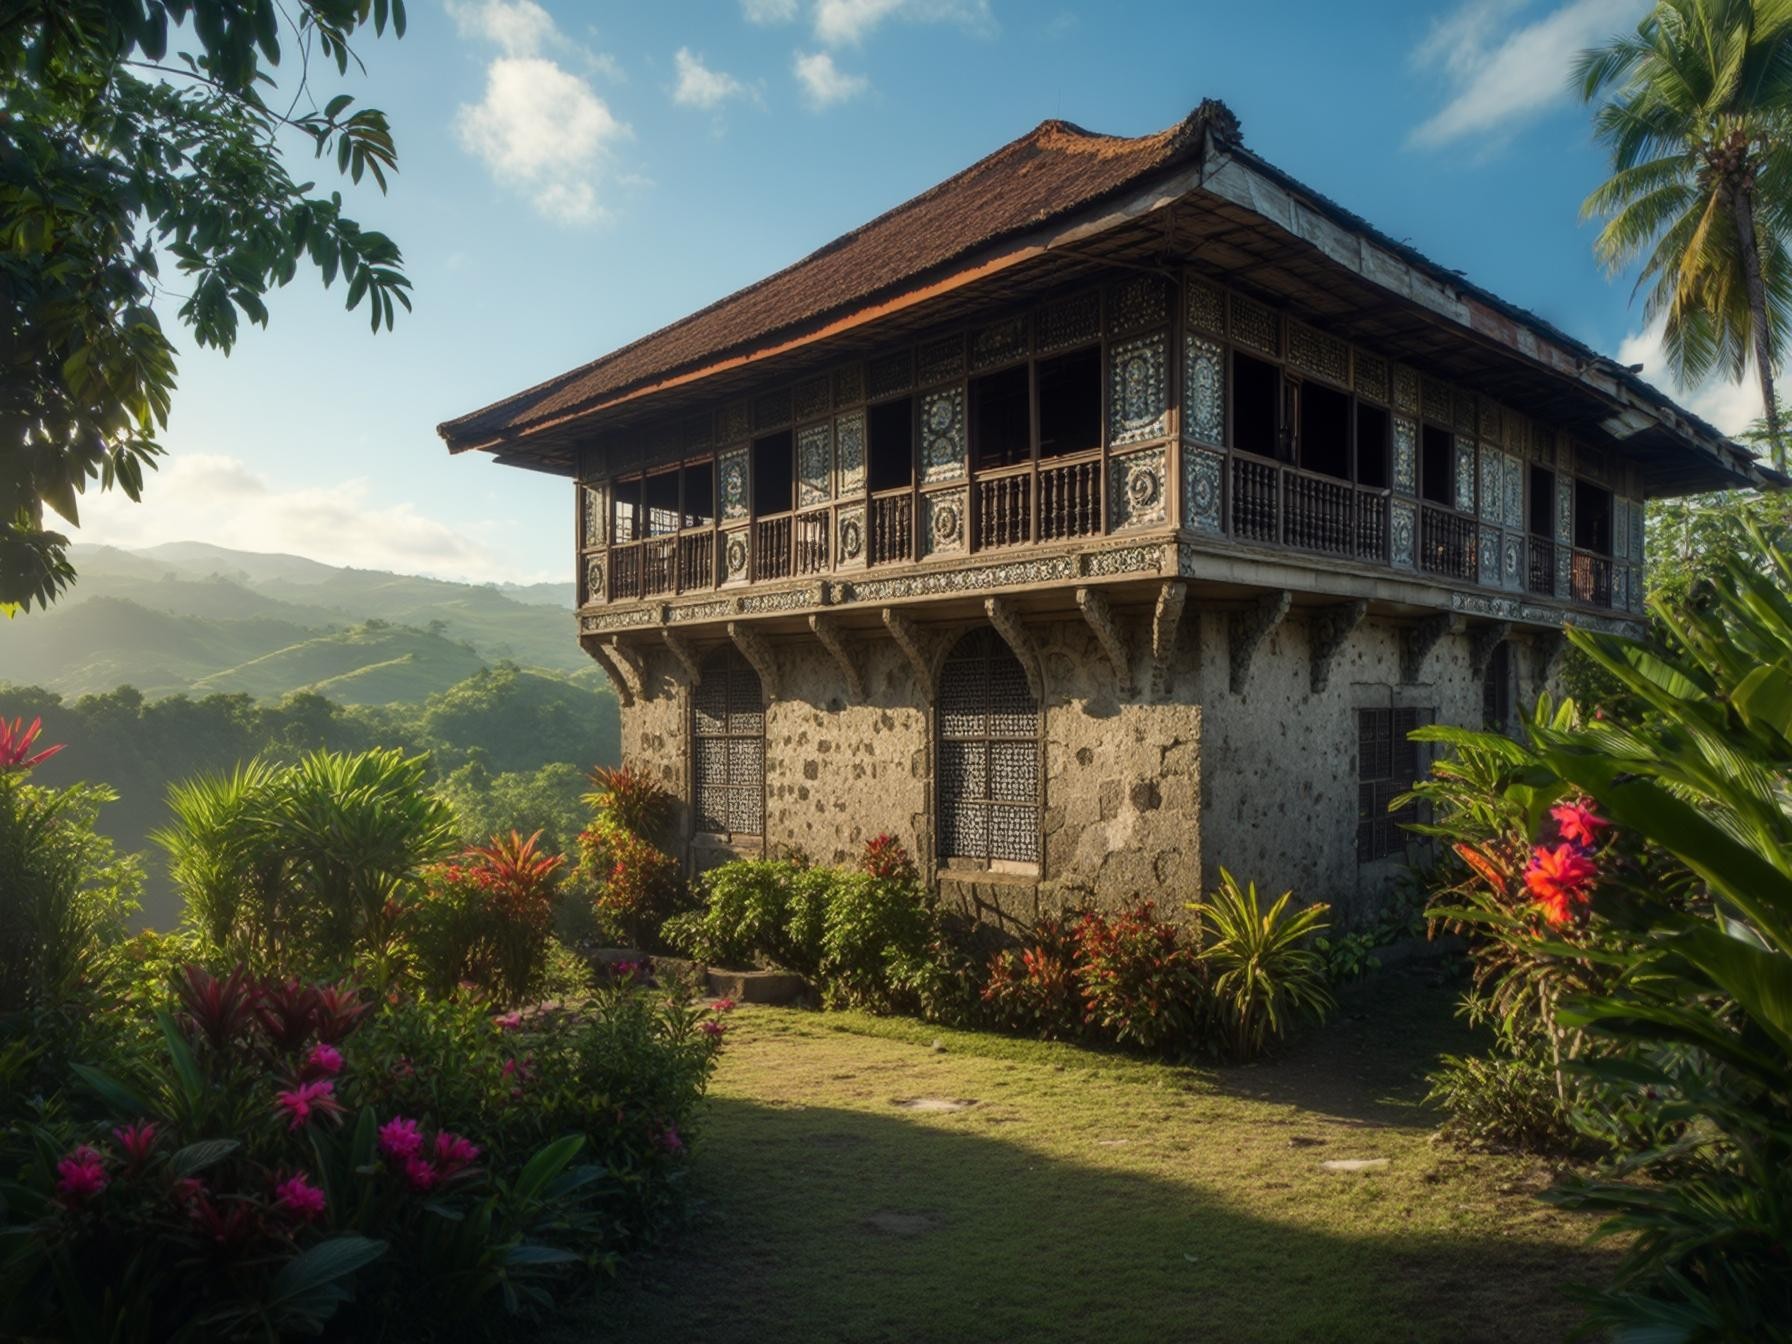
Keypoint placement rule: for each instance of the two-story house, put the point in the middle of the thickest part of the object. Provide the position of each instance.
(1106, 514)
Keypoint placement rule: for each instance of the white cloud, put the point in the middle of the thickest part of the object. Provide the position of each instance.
(219, 499)
(699, 86)
(768, 12)
(848, 22)
(823, 82)
(1732, 407)
(543, 130)
(518, 27)
(1502, 72)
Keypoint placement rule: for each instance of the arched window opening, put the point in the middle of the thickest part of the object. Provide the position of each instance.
(728, 746)
(988, 771)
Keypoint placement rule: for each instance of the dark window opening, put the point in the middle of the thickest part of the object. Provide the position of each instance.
(1388, 761)
(1372, 428)
(625, 512)
(1256, 406)
(1543, 502)
(1324, 430)
(1496, 690)
(774, 473)
(1070, 403)
(661, 503)
(1592, 518)
(1000, 431)
(700, 494)
(1437, 464)
(890, 451)
(728, 741)
(988, 762)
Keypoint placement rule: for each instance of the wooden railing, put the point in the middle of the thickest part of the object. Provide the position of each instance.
(771, 547)
(1256, 500)
(1070, 499)
(1446, 543)
(659, 565)
(1540, 565)
(625, 571)
(892, 527)
(812, 542)
(1590, 578)
(697, 560)
(1003, 509)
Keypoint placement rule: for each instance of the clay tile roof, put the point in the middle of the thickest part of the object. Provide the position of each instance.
(1053, 170)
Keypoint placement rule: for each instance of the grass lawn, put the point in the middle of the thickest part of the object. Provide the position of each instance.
(1086, 1196)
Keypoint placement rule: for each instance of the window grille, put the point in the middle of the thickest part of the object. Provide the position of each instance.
(728, 740)
(1496, 689)
(1387, 764)
(988, 754)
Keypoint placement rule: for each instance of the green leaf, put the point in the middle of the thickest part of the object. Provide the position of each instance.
(124, 1102)
(180, 1054)
(196, 1157)
(312, 1285)
(544, 1166)
(529, 1253)
(1764, 698)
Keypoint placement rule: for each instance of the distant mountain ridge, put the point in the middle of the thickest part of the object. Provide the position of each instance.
(195, 618)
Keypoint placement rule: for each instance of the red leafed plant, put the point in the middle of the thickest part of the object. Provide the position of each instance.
(518, 875)
(885, 858)
(1141, 980)
(1035, 989)
(484, 917)
(219, 1008)
(631, 798)
(16, 740)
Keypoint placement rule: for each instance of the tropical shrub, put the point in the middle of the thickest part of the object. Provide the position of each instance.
(633, 887)
(757, 912)
(1506, 1101)
(306, 866)
(632, 799)
(1264, 977)
(483, 918)
(1141, 981)
(1035, 989)
(875, 931)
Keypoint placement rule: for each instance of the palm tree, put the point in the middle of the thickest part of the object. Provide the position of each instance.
(1697, 113)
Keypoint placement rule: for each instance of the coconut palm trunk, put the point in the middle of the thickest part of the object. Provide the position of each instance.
(1749, 251)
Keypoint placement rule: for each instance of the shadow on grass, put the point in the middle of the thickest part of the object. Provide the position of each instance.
(840, 1225)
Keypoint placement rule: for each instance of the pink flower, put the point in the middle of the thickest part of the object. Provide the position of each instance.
(420, 1173)
(1558, 879)
(135, 1141)
(324, 1059)
(723, 1006)
(1578, 821)
(302, 1101)
(512, 1021)
(454, 1152)
(400, 1139)
(299, 1199)
(188, 1190)
(80, 1176)
(711, 1027)
(669, 1139)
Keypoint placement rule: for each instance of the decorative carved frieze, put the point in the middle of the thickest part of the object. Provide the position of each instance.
(1417, 641)
(1136, 493)
(1203, 390)
(1327, 634)
(1166, 624)
(942, 435)
(1098, 614)
(943, 523)
(814, 465)
(826, 628)
(1138, 301)
(1406, 456)
(1138, 390)
(1120, 560)
(685, 653)
(1482, 641)
(1204, 307)
(1005, 617)
(1246, 630)
(756, 651)
(1203, 476)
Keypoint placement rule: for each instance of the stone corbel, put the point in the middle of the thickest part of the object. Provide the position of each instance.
(1331, 627)
(826, 628)
(625, 696)
(682, 649)
(1547, 648)
(1006, 619)
(1106, 628)
(756, 651)
(1417, 641)
(1482, 641)
(1166, 624)
(916, 645)
(629, 663)
(1246, 630)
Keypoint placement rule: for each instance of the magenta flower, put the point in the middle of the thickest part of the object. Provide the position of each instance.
(1578, 822)
(400, 1139)
(670, 1140)
(324, 1059)
(302, 1102)
(80, 1176)
(711, 1027)
(512, 1021)
(135, 1141)
(420, 1173)
(454, 1152)
(723, 1005)
(299, 1199)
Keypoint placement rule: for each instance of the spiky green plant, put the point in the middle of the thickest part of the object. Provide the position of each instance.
(1695, 112)
(1266, 975)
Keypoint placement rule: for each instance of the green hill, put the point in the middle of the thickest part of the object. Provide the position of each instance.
(372, 664)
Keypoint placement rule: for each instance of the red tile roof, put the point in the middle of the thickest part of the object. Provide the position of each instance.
(1052, 171)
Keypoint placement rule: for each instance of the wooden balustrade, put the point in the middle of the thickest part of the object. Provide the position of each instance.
(771, 547)
(1590, 578)
(1256, 500)
(1446, 543)
(659, 565)
(1540, 566)
(1003, 509)
(812, 542)
(1070, 499)
(625, 571)
(892, 527)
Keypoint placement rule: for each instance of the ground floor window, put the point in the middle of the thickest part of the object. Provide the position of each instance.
(728, 746)
(988, 765)
(1496, 689)
(1387, 763)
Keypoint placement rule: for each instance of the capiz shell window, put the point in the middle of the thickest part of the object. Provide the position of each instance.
(988, 770)
(728, 746)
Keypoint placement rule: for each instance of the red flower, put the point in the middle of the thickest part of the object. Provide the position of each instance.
(454, 1152)
(300, 1102)
(1578, 821)
(135, 1141)
(400, 1138)
(16, 740)
(711, 1027)
(420, 1173)
(324, 1059)
(722, 1006)
(299, 1199)
(80, 1176)
(1558, 879)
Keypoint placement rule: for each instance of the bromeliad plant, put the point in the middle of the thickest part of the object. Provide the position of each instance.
(484, 918)
(1266, 976)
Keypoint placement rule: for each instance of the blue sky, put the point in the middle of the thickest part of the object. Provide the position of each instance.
(574, 175)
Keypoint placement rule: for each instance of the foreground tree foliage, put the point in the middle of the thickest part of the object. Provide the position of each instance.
(136, 134)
